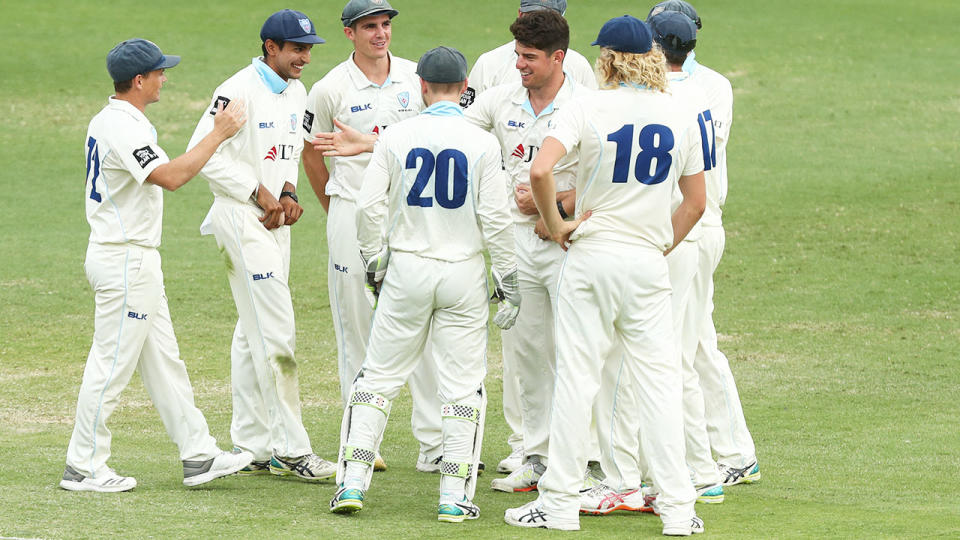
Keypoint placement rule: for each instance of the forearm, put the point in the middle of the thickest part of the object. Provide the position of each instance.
(179, 171)
(317, 174)
(544, 188)
(684, 218)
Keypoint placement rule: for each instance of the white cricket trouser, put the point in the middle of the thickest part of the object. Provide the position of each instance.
(353, 316)
(132, 329)
(528, 347)
(511, 406)
(613, 305)
(729, 437)
(266, 405)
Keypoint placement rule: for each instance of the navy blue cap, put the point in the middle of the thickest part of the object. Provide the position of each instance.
(674, 31)
(442, 65)
(526, 6)
(289, 25)
(135, 56)
(358, 9)
(678, 6)
(625, 34)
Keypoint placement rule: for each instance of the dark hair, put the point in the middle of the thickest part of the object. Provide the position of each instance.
(120, 87)
(543, 29)
(675, 58)
(263, 46)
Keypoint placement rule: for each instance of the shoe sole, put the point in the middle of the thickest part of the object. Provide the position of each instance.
(70, 485)
(209, 476)
(283, 472)
(508, 489)
(568, 527)
(748, 479)
(447, 518)
(712, 499)
(258, 472)
(347, 507)
(614, 509)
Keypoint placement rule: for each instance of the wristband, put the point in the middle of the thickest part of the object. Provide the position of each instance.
(563, 213)
(290, 194)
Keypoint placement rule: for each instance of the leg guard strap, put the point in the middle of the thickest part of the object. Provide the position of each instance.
(460, 412)
(360, 397)
(363, 455)
(453, 468)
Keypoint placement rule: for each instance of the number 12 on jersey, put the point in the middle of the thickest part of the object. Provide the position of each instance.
(653, 160)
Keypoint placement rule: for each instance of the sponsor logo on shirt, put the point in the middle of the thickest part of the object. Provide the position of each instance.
(307, 121)
(279, 151)
(266, 125)
(467, 98)
(221, 100)
(516, 124)
(525, 154)
(144, 156)
(358, 108)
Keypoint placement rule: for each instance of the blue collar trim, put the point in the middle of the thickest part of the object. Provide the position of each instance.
(269, 77)
(690, 64)
(529, 108)
(443, 108)
(633, 85)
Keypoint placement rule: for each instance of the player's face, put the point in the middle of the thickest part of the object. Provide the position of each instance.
(290, 60)
(371, 36)
(535, 66)
(151, 83)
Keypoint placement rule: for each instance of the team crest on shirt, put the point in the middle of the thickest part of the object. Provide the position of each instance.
(293, 123)
(144, 156)
(404, 99)
(305, 24)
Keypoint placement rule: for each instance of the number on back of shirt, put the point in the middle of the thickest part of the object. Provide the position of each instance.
(708, 140)
(93, 167)
(653, 158)
(449, 171)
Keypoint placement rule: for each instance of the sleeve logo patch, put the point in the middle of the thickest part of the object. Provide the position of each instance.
(221, 100)
(144, 156)
(467, 98)
(307, 121)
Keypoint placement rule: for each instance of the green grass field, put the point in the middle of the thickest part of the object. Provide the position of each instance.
(837, 297)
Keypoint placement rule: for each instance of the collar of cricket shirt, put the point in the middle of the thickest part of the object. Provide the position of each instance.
(269, 77)
(522, 97)
(361, 81)
(690, 64)
(443, 108)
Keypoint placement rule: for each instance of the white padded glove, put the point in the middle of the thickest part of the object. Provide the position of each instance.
(507, 292)
(376, 269)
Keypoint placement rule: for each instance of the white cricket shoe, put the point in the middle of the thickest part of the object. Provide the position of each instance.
(379, 465)
(710, 494)
(197, 472)
(523, 479)
(695, 526)
(602, 499)
(591, 479)
(428, 465)
(109, 482)
(512, 462)
(450, 511)
(310, 467)
(745, 475)
(532, 515)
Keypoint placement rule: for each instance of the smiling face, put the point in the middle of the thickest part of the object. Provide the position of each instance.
(536, 66)
(151, 83)
(287, 61)
(370, 36)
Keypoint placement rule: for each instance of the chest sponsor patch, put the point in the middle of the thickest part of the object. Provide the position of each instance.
(467, 98)
(144, 156)
(307, 121)
(221, 100)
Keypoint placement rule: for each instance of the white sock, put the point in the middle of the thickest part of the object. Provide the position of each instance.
(354, 475)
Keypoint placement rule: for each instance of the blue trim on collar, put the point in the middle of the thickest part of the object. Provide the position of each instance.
(529, 108)
(690, 64)
(269, 77)
(443, 108)
(634, 85)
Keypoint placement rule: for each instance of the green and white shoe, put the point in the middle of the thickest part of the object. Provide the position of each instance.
(457, 511)
(710, 494)
(347, 501)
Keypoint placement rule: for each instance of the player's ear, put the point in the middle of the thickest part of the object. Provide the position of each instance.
(558, 56)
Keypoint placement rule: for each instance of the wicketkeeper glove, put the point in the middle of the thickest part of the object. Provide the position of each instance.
(376, 269)
(507, 293)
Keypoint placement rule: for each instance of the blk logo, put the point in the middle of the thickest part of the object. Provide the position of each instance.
(280, 151)
(358, 108)
(266, 125)
(137, 316)
(258, 277)
(340, 268)
(515, 124)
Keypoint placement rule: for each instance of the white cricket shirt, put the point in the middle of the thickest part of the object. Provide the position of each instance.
(121, 151)
(720, 100)
(634, 145)
(346, 94)
(506, 112)
(267, 148)
(693, 98)
(499, 66)
(437, 182)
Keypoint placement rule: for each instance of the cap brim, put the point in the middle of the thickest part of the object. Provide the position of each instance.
(375, 11)
(307, 39)
(169, 60)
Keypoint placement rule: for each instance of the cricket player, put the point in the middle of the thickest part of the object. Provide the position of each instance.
(491, 69)
(519, 114)
(730, 439)
(126, 170)
(497, 67)
(676, 35)
(253, 178)
(636, 146)
(436, 184)
(368, 92)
